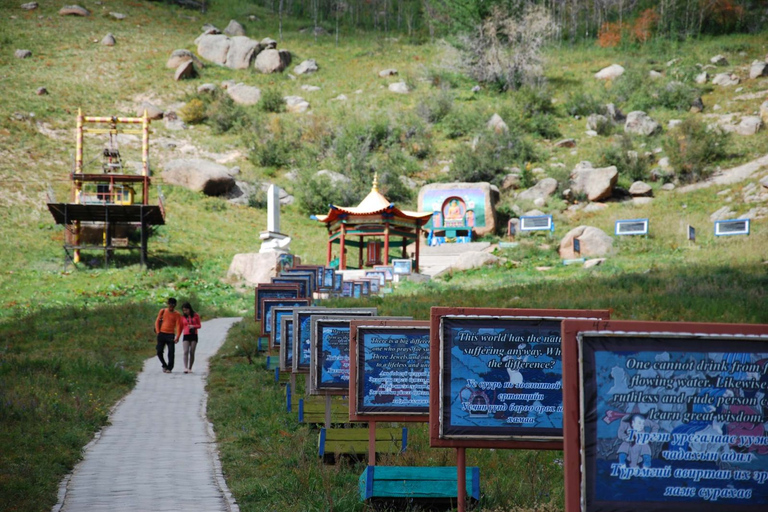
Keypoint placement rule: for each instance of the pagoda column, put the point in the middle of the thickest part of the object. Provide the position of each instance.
(418, 241)
(386, 243)
(343, 254)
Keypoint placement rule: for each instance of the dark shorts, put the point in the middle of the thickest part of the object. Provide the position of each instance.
(190, 337)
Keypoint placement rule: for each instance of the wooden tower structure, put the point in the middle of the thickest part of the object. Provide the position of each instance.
(375, 225)
(108, 202)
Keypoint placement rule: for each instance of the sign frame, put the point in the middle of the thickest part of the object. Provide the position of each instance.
(286, 328)
(572, 332)
(549, 227)
(402, 266)
(514, 441)
(356, 376)
(275, 317)
(261, 291)
(268, 304)
(303, 282)
(298, 313)
(619, 223)
(744, 231)
(317, 322)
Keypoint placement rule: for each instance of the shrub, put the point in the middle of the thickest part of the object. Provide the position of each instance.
(222, 114)
(635, 90)
(610, 34)
(631, 163)
(506, 50)
(535, 100)
(693, 149)
(642, 28)
(542, 124)
(462, 121)
(434, 108)
(677, 96)
(193, 112)
(272, 101)
(315, 193)
(487, 158)
(583, 104)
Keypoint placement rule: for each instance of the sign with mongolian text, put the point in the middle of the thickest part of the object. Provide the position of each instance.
(277, 313)
(329, 341)
(273, 291)
(497, 376)
(672, 418)
(302, 330)
(389, 371)
(266, 312)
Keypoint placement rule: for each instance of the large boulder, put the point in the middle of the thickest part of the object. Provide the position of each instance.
(719, 60)
(296, 104)
(497, 124)
(199, 175)
(726, 79)
(639, 189)
(640, 123)
(612, 72)
(242, 52)
(109, 40)
(596, 183)
(74, 10)
(764, 111)
(387, 72)
(214, 47)
(234, 29)
(593, 242)
(22, 54)
(270, 61)
(244, 94)
(178, 57)
(185, 71)
(153, 111)
(473, 259)
(399, 88)
(541, 190)
(749, 125)
(335, 177)
(254, 268)
(758, 69)
(307, 67)
(435, 193)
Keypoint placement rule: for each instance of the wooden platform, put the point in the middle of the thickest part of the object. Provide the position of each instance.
(312, 410)
(428, 486)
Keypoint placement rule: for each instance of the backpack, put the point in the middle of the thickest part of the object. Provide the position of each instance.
(162, 314)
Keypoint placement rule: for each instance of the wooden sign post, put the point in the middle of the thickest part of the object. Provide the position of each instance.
(665, 416)
(496, 380)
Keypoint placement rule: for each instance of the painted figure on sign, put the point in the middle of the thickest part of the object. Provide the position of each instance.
(634, 451)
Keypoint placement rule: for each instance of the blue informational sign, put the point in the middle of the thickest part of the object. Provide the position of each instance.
(333, 354)
(328, 278)
(268, 304)
(302, 325)
(286, 349)
(502, 378)
(268, 292)
(675, 422)
(393, 370)
(278, 312)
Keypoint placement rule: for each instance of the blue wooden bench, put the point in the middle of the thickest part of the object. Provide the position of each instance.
(430, 486)
(354, 441)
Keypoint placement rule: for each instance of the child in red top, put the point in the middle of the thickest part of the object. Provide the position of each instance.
(191, 323)
(168, 326)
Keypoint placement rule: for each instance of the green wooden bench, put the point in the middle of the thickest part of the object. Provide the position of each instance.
(427, 486)
(354, 441)
(313, 410)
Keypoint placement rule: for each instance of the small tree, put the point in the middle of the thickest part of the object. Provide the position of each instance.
(506, 50)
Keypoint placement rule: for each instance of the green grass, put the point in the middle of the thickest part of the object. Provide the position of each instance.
(267, 456)
(73, 339)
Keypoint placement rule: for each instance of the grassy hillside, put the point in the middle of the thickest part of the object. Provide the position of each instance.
(73, 339)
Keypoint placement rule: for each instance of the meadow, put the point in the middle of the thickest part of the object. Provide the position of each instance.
(73, 339)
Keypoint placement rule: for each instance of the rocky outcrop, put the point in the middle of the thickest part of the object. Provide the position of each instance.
(593, 242)
(178, 57)
(186, 70)
(640, 123)
(541, 190)
(242, 52)
(307, 67)
(612, 72)
(244, 94)
(199, 175)
(214, 48)
(497, 124)
(437, 192)
(74, 10)
(234, 29)
(272, 61)
(254, 268)
(596, 183)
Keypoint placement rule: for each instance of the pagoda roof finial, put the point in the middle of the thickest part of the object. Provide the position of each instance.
(375, 187)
